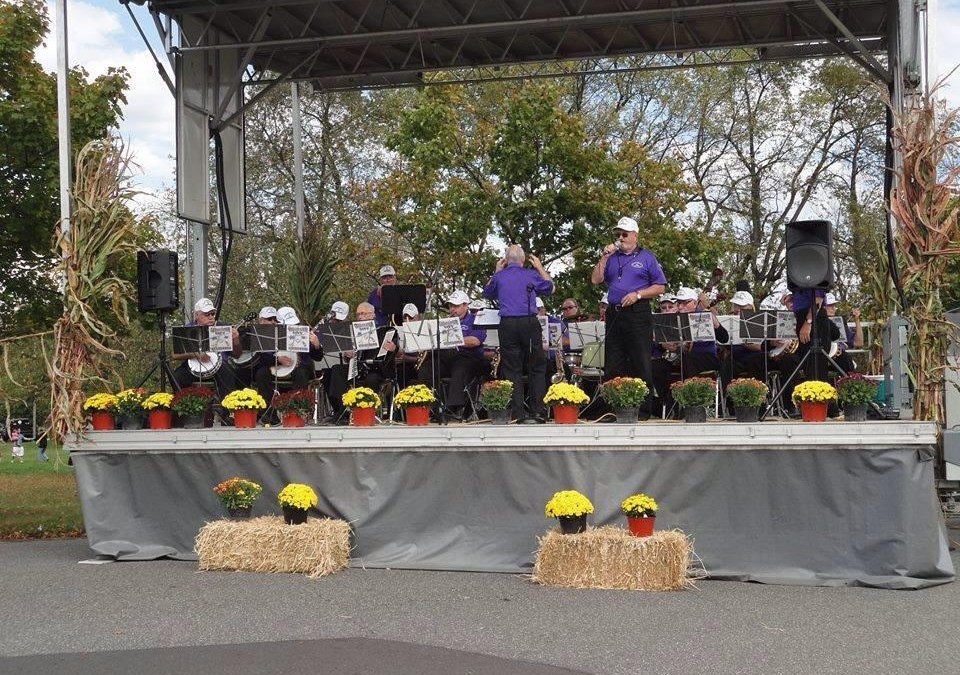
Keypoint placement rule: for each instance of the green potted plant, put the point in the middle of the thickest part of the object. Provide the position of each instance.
(158, 409)
(641, 512)
(812, 398)
(130, 408)
(238, 495)
(191, 404)
(295, 499)
(625, 395)
(855, 392)
(495, 397)
(294, 407)
(571, 509)
(566, 400)
(363, 403)
(415, 401)
(747, 395)
(693, 395)
(101, 407)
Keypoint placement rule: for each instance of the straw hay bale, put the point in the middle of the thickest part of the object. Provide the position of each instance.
(318, 547)
(610, 557)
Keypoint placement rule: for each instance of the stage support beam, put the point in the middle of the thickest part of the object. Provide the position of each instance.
(65, 153)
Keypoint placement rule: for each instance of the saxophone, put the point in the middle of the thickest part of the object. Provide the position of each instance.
(561, 374)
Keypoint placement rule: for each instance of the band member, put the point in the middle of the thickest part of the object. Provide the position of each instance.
(851, 338)
(570, 311)
(225, 378)
(696, 358)
(746, 359)
(462, 364)
(370, 371)
(267, 316)
(477, 305)
(407, 361)
(668, 303)
(516, 288)
(633, 276)
(602, 310)
(265, 376)
(388, 277)
(807, 307)
(339, 312)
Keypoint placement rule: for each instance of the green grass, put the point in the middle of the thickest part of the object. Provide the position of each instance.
(38, 499)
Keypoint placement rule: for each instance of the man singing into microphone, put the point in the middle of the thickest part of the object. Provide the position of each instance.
(633, 276)
(515, 288)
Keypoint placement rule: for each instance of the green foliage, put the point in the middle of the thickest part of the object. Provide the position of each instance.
(28, 160)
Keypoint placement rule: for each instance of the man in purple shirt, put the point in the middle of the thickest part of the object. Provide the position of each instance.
(388, 277)
(463, 364)
(633, 276)
(516, 288)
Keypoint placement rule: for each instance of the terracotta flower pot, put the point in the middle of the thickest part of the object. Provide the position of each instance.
(417, 415)
(566, 413)
(813, 411)
(362, 417)
(291, 418)
(642, 526)
(102, 421)
(245, 419)
(160, 418)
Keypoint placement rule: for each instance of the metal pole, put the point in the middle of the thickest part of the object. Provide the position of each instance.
(63, 118)
(297, 157)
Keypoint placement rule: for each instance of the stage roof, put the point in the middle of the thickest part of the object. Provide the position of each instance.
(344, 44)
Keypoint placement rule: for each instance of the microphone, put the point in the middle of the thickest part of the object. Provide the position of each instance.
(618, 245)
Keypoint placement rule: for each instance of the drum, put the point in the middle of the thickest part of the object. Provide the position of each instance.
(283, 372)
(204, 370)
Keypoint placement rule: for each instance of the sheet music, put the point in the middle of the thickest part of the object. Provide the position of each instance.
(298, 338)
(786, 326)
(221, 338)
(556, 335)
(418, 336)
(487, 317)
(583, 332)
(388, 337)
(544, 331)
(493, 338)
(701, 327)
(365, 335)
(451, 333)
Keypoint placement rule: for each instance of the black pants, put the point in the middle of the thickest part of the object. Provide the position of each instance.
(266, 385)
(628, 342)
(224, 380)
(460, 367)
(521, 353)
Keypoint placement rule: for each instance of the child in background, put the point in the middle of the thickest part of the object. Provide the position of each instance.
(17, 453)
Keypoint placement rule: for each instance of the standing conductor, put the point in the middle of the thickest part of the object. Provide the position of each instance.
(516, 288)
(633, 276)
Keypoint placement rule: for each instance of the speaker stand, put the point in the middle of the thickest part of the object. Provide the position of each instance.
(161, 361)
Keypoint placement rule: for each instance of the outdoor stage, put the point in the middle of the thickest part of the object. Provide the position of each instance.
(835, 503)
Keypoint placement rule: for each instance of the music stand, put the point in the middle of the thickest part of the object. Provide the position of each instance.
(394, 297)
(261, 338)
(161, 361)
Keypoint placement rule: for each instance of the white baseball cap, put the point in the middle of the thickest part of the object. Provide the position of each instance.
(829, 299)
(458, 298)
(203, 305)
(268, 312)
(340, 309)
(539, 302)
(479, 303)
(666, 297)
(742, 298)
(627, 224)
(288, 316)
(410, 309)
(388, 271)
(604, 299)
(685, 293)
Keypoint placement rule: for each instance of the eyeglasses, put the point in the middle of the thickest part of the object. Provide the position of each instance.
(212, 312)
(622, 235)
(568, 307)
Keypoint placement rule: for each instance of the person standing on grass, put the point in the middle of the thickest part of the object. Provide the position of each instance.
(17, 453)
(42, 448)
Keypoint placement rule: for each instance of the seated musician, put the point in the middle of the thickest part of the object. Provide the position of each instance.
(463, 364)
(407, 361)
(852, 338)
(267, 377)
(604, 303)
(371, 371)
(570, 311)
(695, 358)
(746, 359)
(225, 378)
(667, 303)
(267, 316)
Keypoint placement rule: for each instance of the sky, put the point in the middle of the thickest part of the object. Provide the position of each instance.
(101, 34)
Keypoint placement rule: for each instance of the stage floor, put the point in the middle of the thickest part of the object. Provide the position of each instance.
(780, 502)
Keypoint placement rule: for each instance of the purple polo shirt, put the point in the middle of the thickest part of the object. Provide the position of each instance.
(379, 317)
(516, 289)
(802, 299)
(629, 272)
(466, 325)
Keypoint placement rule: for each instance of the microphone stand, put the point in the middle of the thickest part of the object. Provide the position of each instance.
(443, 413)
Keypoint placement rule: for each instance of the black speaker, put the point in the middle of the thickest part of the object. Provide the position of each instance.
(157, 281)
(810, 254)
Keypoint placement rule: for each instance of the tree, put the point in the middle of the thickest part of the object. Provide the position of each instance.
(29, 209)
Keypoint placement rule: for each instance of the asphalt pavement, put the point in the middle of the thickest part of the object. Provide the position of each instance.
(61, 617)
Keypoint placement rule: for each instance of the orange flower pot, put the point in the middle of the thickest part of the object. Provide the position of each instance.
(417, 415)
(362, 417)
(245, 419)
(102, 421)
(161, 418)
(566, 414)
(813, 411)
(641, 527)
(292, 418)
